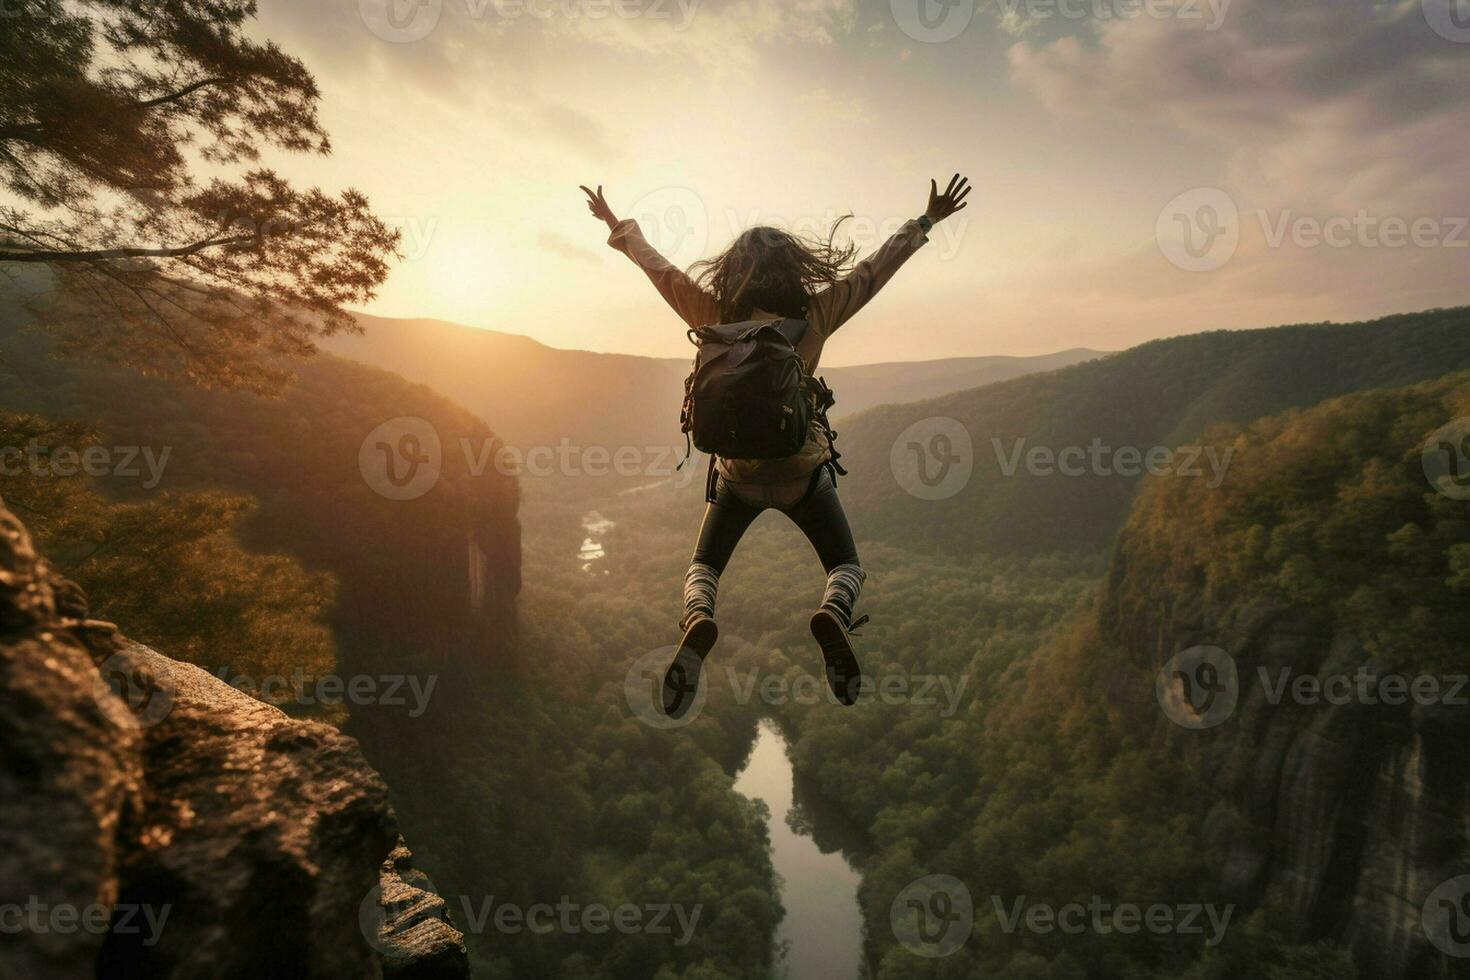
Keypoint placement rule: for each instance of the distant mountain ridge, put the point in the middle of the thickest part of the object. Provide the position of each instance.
(1160, 394)
(539, 395)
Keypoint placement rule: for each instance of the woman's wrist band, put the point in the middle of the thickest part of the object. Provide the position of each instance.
(926, 222)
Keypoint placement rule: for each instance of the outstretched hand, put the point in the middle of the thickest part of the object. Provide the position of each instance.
(941, 206)
(597, 204)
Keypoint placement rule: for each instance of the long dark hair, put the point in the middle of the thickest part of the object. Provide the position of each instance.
(772, 270)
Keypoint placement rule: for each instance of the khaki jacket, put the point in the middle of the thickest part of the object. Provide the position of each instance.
(829, 309)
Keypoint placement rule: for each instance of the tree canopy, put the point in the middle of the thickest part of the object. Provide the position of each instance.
(131, 133)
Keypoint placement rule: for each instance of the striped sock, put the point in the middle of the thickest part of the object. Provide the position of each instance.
(700, 587)
(844, 585)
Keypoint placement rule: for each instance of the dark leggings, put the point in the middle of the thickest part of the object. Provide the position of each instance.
(818, 513)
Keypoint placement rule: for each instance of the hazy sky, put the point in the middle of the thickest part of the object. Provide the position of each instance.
(1319, 145)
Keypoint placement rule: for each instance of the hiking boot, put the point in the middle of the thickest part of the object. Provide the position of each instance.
(681, 680)
(844, 676)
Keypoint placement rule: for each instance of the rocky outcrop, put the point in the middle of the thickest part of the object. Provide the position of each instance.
(1351, 811)
(160, 823)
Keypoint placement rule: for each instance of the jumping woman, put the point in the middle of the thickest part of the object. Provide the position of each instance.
(805, 290)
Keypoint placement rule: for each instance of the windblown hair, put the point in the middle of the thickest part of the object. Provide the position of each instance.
(772, 270)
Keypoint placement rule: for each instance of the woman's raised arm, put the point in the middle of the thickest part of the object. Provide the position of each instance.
(837, 304)
(694, 306)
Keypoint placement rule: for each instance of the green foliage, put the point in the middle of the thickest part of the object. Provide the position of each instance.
(1163, 393)
(1327, 511)
(107, 107)
(169, 569)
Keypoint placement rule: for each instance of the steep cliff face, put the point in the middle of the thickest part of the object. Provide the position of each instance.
(159, 823)
(1304, 623)
(1353, 813)
(387, 485)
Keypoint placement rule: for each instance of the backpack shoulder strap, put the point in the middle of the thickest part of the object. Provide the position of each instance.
(792, 330)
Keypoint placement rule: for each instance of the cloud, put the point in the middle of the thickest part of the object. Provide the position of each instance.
(820, 104)
(559, 244)
(433, 42)
(1334, 104)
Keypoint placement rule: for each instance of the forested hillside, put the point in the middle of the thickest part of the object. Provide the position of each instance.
(1160, 394)
(1061, 777)
(513, 786)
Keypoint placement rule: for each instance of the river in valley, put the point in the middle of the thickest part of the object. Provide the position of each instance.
(823, 929)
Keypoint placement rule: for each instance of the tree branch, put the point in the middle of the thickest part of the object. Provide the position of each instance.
(181, 93)
(95, 255)
(34, 132)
